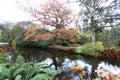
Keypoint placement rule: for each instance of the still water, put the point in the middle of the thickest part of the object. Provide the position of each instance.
(62, 61)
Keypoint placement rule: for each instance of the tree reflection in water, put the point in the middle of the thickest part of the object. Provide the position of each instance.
(64, 62)
(107, 71)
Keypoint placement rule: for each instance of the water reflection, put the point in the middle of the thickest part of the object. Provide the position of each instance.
(63, 61)
(109, 67)
(50, 63)
(66, 69)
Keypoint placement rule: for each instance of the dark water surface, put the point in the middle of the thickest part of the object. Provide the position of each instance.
(62, 61)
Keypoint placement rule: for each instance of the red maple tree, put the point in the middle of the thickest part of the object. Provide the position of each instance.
(52, 13)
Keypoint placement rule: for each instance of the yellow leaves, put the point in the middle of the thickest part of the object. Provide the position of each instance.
(13, 44)
(34, 28)
(29, 35)
(31, 32)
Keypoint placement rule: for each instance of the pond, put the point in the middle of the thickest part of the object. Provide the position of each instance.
(62, 61)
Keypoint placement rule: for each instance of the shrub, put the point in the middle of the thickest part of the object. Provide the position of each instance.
(13, 43)
(110, 37)
(89, 49)
(64, 43)
(2, 50)
(111, 53)
(44, 43)
(114, 47)
(4, 58)
(66, 36)
(77, 33)
(32, 32)
(100, 44)
(40, 43)
(33, 37)
(25, 71)
(84, 38)
(36, 36)
(63, 34)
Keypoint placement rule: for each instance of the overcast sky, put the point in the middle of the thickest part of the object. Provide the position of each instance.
(9, 10)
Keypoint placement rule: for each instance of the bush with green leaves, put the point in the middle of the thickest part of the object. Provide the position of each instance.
(110, 37)
(65, 43)
(89, 49)
(25, 71)
(84, 38)
(44, 43)
(100, 44)
(113, 47)
(28, 43)
(4, 58)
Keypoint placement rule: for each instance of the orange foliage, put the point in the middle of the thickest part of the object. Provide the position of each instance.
(64, 34)
(46, 36)
(35, 34)
(32, 32)
(79, 70)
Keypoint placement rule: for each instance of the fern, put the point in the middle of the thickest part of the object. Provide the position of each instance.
(2, 77)
(25, 71)
(48, 71)
(29, 74)
(41, 77)
(22, 69)
(6, 72)
(40, 64)
(4, 58)
(20, 59)
(51, 72)
(18, 71)
(18, 77)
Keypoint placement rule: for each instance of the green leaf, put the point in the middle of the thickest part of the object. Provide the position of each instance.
(41, 77)
(2, 77)
(40, 64)
(22, 68)
(29, 74)
(6, 72)
(51, 72)
(47, 71)
(18, 77)
(18, 71)
(20, 59)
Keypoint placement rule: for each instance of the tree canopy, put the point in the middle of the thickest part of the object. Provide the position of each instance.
(100, 13)
(53, 13)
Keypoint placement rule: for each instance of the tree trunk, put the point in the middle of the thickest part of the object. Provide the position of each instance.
(93, 36)
(93, 26)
